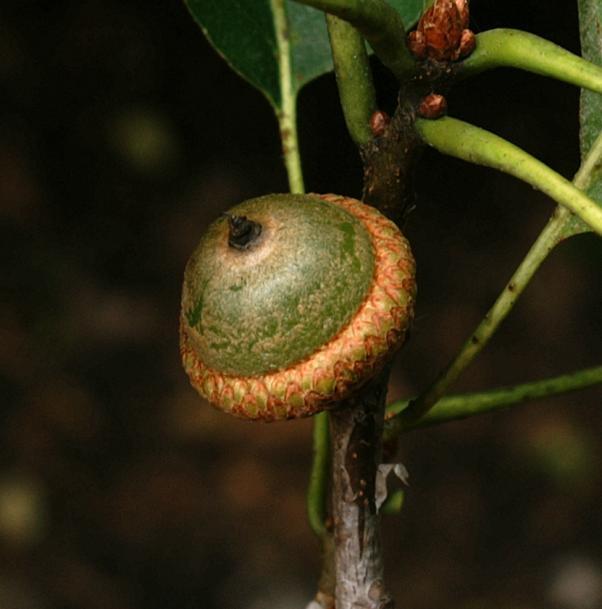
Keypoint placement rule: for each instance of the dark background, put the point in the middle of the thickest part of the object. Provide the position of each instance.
(122, 134)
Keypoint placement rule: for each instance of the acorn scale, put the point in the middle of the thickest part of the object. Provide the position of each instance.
(291, 302)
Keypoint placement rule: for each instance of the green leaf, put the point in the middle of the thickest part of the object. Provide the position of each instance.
(309, 43)
(590, 25)
(410, 10)
(590, 116)
(246, 34)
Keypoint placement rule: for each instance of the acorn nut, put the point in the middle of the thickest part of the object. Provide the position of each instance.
(291, 302)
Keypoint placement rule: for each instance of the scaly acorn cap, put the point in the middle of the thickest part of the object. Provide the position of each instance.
(291, 302)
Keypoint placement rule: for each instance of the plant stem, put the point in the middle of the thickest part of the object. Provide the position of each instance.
(287, 118)
(517, 49)
(465, 141)
(554, 231)
(456, 407)
(356, 430)
(325, 598)
(287, 114)
(591, 167)
(352, 564)
(318, 480)
(354, 78)
(494, 317)
(589, 173)
(380, 24)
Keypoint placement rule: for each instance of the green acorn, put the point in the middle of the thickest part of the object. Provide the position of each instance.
(291, 302)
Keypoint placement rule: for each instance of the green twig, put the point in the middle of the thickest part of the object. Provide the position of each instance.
(318, 488)
(456, 407)
(287, 113)
(591, 167)
(552, 234)
(516, 49)
(380, 24)
(354, 78)
(495, 316)
(287, 119)
(465, 141)
(589, 173)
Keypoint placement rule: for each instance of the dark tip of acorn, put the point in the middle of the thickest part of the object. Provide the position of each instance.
(242, 231)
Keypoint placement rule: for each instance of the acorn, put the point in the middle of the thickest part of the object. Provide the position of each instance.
(292, 302)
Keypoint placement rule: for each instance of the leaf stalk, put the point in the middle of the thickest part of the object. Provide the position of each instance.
(462, 406)
(318, 480)
(558, 228)
(380, 24)
(464, 141)
(354, 78)
(287, 114)
(516, 49)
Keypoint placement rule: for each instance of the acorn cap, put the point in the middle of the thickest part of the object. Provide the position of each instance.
(290, 302)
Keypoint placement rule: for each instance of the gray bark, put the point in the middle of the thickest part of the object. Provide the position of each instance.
(356, 431)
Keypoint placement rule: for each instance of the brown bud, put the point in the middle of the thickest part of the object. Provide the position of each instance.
(468, 42)
(379, 122)
(442, 29)
(417, 44)
(464, 12)
(432, 106)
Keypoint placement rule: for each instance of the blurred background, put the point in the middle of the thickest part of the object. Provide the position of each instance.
(122, 134)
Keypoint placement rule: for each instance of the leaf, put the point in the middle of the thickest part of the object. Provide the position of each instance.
(309, 43)
(590, 25)
(245, 33)
(590, 116)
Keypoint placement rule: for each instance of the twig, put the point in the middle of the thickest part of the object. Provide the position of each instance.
(318, 479)
(516, 49)
(454, 407)
(555, 230)
(464, 141)
(356, 430)
(287, 113)
(354, 78)
(492, 320)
